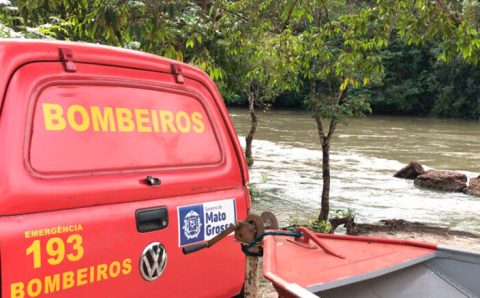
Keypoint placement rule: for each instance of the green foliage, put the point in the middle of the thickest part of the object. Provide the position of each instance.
(292, 100)
(457, 90)
(282, 46)
(408, 85)
(319, 226)
(345, 213)
(471, 11)
(312, 224)
(422, 21)
(252, 66)
(253, 191)
(179, 30)
(9, 20)
(331, 46)
(231, 96)
(417, 84)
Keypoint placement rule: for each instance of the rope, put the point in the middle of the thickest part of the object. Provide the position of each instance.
(292, 233)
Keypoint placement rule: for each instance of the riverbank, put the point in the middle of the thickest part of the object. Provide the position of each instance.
(410, 231)
(399, 228)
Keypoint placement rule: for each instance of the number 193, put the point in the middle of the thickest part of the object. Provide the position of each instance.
(56, 250)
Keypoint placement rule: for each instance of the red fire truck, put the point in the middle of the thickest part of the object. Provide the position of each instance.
(113, 161)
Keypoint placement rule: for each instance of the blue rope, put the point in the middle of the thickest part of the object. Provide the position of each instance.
(292, 232)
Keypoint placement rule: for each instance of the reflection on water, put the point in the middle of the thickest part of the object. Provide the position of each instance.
(365, 155)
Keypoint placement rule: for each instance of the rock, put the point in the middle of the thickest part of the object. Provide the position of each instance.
(474, 187)
(411, 171)
(442, 180)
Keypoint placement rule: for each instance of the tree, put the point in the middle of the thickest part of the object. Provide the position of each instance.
(254, 78)
(252, 65)
(331, 51)
(335, 46)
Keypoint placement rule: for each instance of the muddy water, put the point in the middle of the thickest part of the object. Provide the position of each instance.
(364, 156)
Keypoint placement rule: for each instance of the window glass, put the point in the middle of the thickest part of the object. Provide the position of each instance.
(85, 128)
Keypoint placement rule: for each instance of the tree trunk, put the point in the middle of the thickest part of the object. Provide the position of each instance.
(325, 140)
(326, 179)
(253, 129)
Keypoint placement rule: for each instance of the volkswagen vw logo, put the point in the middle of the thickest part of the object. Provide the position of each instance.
(153, 261)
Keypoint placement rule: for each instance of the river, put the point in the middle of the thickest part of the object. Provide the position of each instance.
(365, 154)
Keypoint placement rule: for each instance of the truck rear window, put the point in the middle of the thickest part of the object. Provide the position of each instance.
(97, 128)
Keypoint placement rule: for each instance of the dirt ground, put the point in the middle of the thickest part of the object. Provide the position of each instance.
(443, 237)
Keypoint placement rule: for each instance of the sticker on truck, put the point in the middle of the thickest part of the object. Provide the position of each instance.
(53, 246)
(202, 222)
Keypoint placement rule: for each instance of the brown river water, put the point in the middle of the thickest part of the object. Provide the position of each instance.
(364, 156)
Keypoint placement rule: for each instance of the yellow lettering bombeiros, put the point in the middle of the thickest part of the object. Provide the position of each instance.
(120, 119)
(70, 279)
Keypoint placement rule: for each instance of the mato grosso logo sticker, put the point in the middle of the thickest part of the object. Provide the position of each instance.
(153, 261)
(192, 225)
(202, 222)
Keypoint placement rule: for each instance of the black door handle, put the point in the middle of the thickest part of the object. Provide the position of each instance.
(151, 219)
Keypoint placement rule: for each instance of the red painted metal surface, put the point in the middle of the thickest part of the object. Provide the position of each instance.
(291, 264)
(110, 238)
(76, 146)
(15, 129)
(309, 235)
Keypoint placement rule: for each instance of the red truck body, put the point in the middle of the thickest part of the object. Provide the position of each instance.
(112, 161)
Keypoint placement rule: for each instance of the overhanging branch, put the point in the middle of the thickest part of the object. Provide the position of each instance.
(440, 5)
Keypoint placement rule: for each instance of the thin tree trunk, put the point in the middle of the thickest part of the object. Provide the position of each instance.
(253, 128)
(326, 179)
(325, 141)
